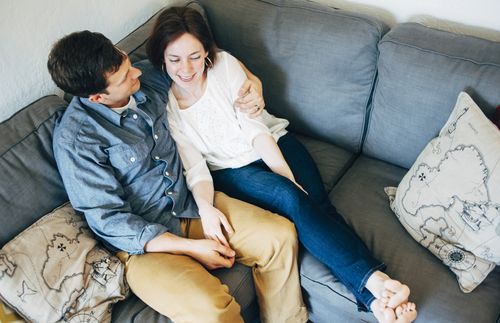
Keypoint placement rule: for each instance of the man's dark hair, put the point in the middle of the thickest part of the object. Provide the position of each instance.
(78, 63)
(172, 23)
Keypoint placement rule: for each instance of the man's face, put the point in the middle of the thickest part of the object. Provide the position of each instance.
(121, 85)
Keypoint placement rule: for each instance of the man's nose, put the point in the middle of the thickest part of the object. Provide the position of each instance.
(136, 72)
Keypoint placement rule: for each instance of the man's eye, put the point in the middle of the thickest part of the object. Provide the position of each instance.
(174, 60)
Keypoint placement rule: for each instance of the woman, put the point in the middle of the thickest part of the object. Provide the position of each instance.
(257, 161)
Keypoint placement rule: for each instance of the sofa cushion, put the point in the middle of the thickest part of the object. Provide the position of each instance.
(313, 73)
(420, 72)
(433, 286)
(31, 185)
(449, 201)
(56, 270)
(332, 161)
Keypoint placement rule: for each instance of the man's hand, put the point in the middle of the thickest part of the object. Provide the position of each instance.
(213, 220)
(250, 99)
(212, 254)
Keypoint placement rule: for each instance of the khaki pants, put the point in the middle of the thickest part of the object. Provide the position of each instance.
(182, 289)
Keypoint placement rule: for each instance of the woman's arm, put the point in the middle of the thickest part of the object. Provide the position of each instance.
(265, 145)
(211, 218)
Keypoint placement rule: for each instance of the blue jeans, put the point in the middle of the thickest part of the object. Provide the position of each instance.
(321, 229)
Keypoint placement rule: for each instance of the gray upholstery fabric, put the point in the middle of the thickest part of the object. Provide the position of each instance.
(30, 184)
(332, 161)
(239, 280)
(317, 78)
(421, 71)
(433, 286)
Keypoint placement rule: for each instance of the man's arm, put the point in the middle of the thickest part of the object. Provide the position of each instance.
(250, 96)
(209, 253)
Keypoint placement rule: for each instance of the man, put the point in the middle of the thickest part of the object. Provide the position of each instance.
(121, 169)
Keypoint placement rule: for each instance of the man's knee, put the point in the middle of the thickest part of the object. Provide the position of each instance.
(280, 231)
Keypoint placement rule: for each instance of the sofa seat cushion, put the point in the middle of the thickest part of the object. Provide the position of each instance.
(360, 198)
(332, 161)
(239, 280)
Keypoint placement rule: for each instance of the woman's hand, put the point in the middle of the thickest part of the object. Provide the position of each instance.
(250, 100)
(213, 220)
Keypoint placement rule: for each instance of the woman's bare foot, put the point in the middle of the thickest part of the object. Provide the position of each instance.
(404, 313)
(389, 291)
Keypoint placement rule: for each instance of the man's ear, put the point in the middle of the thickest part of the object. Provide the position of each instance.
(96, 98)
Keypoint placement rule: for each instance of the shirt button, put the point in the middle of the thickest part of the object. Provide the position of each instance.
(134, 116)
(157, 157)
(156, 137)
(170, 193)
(167, 174)
(132, 159)
(173, 213)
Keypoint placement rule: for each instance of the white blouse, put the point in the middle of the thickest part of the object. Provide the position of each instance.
(212, 131)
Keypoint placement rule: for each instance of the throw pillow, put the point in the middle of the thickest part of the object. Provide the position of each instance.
(449, 201)
(56, 271)
(7, 315)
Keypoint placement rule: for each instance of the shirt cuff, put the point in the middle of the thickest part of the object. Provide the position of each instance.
(149, 232)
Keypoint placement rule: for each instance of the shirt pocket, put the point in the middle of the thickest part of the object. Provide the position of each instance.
(125, 156)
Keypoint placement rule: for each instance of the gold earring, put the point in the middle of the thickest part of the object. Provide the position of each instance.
(208, 62)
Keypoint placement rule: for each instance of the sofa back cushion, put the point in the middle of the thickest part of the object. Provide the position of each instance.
(421, 71)
(317, 64)
(31, 185)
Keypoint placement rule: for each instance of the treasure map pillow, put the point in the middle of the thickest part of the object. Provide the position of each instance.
(56, 271)
(449, 201)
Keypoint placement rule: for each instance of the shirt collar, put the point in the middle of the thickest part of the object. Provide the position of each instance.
(108, 113)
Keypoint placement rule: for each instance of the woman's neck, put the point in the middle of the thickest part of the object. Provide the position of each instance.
(186, 97)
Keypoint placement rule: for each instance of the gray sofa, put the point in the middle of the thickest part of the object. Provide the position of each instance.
(363, 98)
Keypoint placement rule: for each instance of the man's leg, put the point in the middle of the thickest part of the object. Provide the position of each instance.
(179, 287)
(268, 243)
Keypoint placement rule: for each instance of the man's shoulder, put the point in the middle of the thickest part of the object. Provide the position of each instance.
(71, 121)
(152, 78)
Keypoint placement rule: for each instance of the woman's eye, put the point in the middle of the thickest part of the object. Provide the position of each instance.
(174, 60)
(195, 58)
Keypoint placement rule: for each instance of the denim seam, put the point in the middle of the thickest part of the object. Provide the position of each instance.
(368, 274)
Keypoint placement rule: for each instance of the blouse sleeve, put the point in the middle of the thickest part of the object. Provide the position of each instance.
(195, 165)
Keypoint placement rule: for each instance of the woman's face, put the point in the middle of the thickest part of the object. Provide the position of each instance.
(185, 61)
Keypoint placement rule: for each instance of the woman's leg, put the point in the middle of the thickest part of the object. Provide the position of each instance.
(327, 237)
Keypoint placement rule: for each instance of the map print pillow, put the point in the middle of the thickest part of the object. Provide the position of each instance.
(56, 271)
(449, 201)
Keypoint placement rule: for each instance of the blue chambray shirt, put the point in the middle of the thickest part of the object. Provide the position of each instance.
(123, 172)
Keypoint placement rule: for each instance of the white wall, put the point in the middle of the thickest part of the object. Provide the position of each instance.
(479, 18)
(29, 27)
